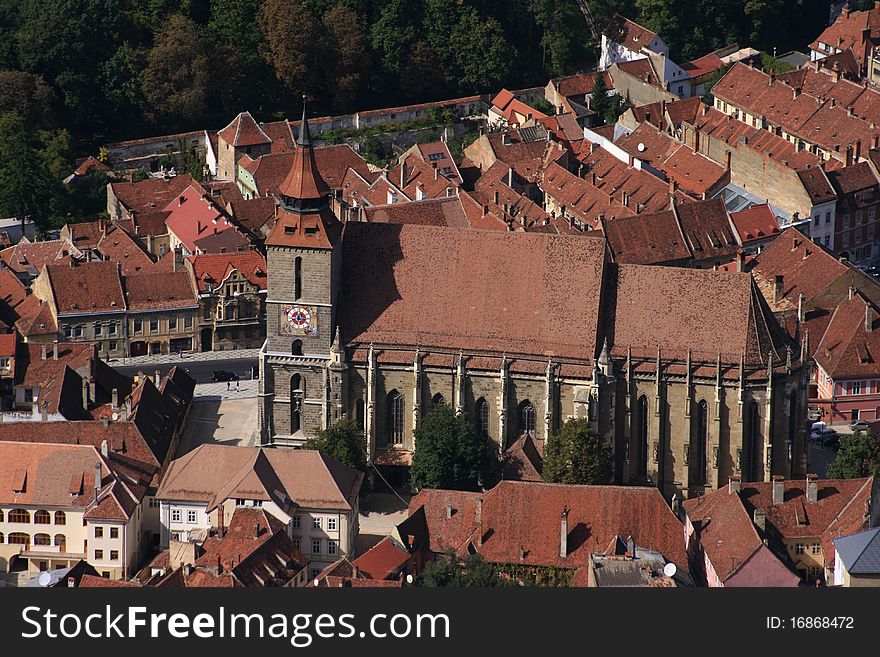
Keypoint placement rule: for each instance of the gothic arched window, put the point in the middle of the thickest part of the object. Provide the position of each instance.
(297, 391)
(482, 413)
(359, 413)
(297, 278)
(437, 400)
(527, 417)
(753, 442)
(395, 418)
(296, 348)
(642, 434)
(698, 458)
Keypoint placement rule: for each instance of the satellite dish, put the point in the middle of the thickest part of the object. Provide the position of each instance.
(409, 579)
(641, 147)
(115, 416)
(44, 579)
(669, 570)
(316, 581)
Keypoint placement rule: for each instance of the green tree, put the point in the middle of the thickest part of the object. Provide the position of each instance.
(424, 77)
(858, 456)
(177, 75)
(292, 45)
(349, 57)
(449, 570)
(343, 441)
(121, 76)
(27, 95)
(564, 33)
(577, 455)
(449, 452)
(393, 33)
(31, 166)
(600, 103)
(617, 105)
(234, 23)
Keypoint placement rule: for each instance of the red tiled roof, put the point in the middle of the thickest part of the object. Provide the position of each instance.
(646, 239)
(703, 65)
(579, 197)
(151, 194)
(433, 212)
(629, 34)
(848, 31)
(243, 131)
(95, 582)
(159, 290)
(215, 268)
(519, 299)
(194, 215)
(29, 257)
(642, 69)
(90, 164)
(304, 180)
(383, 560)
(579, 84)
(88, 287)
(754, 223)
(851, 342)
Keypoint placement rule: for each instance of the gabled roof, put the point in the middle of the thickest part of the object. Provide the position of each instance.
(850, 345)
(210, 270)
(382, 561)
(155, 290)
(88, 287)
(629, 34)
(848, 31)
(755, 223)
(243, 131)
(152, 194)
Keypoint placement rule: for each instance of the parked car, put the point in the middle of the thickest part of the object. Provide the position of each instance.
(223, 375)
(823, 436)
(859, 425)
(831, 440)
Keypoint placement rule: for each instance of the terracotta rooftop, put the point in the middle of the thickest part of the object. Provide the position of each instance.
(851, 342)
(629, 34)
(152, 194)
(88, 287)
(755, 223)
(849, 30)
(243, 131)
(211, 270)
(159, 290)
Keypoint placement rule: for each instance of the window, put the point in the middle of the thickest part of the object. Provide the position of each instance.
(112, 345)
(296, 348)
(297, 523)
(191, 516)
(61, 542)
(42, 517)
(316, 546)
(359, 412)
(815, 548)
(1, 538)
(297, 392)
(60, 518)
(138, 326)
(172, 323)
(828, 240)
(297, 278)
(799, 548)
(331, 547)
(18, 538)
(112, 329)
(42, 539)
(698, 457)
(395, 418)
(154, 326)
(99, 555)
(855, 388)
(114, 532)
(845, 218)
(114, 555)
(78, 330)
(331, 524)
(816, 220)
(99, 329)
(188, 322)
(1, 515)
(154, 503)
(175, 515)
(68, 332)
(527, 417)
(828, 217)
(99, 532)
(316, 523)
(437, 400)
(20, 515)
(296, 542)
(482, 416)
(642, 435)
(859, 215)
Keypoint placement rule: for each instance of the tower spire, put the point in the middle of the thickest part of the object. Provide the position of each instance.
(305, 136)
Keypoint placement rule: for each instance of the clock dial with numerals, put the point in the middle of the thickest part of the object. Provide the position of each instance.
(297, 320)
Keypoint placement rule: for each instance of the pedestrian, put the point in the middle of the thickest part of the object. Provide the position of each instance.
(237, 387)
(227, 385)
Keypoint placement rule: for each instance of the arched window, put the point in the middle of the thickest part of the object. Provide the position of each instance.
(296, 394)
(2, 539)
(482, 413)
(437, 400)
(1, 515)
(61, 542)
(753, 442)
(642, 434)
(60, 518)
(18, 538)
(42, 539)
(698, 448)
(395, 418)
(42, 517)
(297, 278)
(20, 515)
(527, 417)
(792, 427)
(359, 413)
(296, 348)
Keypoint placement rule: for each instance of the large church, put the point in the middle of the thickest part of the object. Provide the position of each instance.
(684, 371)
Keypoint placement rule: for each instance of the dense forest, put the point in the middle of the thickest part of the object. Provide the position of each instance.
(76, 73)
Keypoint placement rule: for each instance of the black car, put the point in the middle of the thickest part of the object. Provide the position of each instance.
(223, 375)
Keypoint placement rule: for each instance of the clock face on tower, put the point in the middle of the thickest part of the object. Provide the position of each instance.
(297, 320)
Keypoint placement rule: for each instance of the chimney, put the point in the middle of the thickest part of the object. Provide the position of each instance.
(740, 261)
(495, 197)
(802, 313)
(727, 160)
(85, 394)
(97, 479)
(158, 378)
(734, 485)
(71, 582)
(221, 521)
(403, 174)
(256, 530)
(777, 288)
(448, 511)
(696, 140)
(845, 11)
(778, 489)
(869, 319)
(128, 408)
(563, 533)
(759, 519)
(510, 177)
(436, 172)
(849, 156)
(105, 449)
(43, 351)
(812, 488)
(105, 421)
(55, 353)
(114, 399)
(44, 411)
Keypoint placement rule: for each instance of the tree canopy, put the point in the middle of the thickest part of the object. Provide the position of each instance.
(858, 456)
(449, 453)
(343, 441)
(577, 455)
(450, 571)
